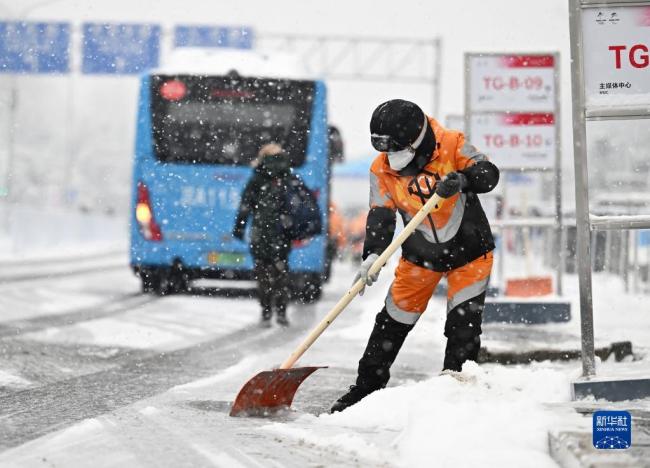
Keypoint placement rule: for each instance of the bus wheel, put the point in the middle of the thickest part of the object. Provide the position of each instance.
(178, 283)
(151, 280)
(178, 279)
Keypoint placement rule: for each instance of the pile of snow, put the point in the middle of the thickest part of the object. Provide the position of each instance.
(493, 414)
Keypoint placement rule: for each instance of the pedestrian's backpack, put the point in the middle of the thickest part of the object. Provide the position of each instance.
(303, 211)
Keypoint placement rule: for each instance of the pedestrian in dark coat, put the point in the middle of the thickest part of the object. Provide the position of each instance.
(270, 244)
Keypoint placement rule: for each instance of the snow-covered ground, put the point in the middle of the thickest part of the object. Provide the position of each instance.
(29, 232)
(90, 370)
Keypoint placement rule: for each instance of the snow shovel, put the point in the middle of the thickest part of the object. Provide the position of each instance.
(272, 390)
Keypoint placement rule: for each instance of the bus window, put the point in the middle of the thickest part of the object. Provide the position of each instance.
(225, 120)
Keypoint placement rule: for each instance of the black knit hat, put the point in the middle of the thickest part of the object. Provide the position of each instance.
(396, 124)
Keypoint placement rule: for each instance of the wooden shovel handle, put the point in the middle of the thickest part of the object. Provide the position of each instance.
(433, 204)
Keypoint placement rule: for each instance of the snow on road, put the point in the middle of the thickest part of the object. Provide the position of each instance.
(498, 415)
(151, 384)
(177, 324)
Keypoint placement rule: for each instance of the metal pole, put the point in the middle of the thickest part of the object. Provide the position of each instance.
(607, 261)
(558, 177)
(581, 190)
(564, 244)
(11, 154)
(9, 168)
(466, 111)
(437, 45)
(622, 264)
(502, 256)
(504, 216)
(593, 239)
(635, 261)
(644, 277)
(21, 15)
(626, 260)
(68, 176)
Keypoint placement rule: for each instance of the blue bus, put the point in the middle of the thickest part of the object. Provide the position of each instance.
(195, 139)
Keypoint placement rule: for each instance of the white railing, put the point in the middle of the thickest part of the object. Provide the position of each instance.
(603, 223)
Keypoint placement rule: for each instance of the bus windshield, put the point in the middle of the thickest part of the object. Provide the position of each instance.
(225, 120)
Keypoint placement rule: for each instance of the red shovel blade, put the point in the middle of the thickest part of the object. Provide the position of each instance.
(269, 391)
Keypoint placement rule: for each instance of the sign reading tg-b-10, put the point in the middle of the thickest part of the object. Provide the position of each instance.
(516, 140)
(27, 47)
(616, 55)
(515, 83)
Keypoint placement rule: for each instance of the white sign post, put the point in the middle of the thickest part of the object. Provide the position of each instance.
(610, 71)
(512, 112)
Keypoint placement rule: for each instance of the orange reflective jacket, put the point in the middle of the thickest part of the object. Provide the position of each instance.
(457, 233)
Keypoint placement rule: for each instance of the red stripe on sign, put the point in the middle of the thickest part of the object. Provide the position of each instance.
(528, 61)
(528, 119)
(644, 17)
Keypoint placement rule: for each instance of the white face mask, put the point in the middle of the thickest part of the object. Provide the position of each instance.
(400, 159)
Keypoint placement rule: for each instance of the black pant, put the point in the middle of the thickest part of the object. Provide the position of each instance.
(463, 332)
(272, 277)
(462, 329)
(384, 344)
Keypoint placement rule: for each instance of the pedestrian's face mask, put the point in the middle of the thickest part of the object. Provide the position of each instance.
(398, 156)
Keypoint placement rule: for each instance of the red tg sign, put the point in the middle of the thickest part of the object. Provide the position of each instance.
(617, 56)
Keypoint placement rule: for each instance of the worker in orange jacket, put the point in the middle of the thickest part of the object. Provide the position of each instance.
(357, 234)
(337, 228)
(419, 158)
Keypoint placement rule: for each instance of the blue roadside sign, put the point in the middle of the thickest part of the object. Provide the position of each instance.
(28, 47)
(213, 36)
(120, 48)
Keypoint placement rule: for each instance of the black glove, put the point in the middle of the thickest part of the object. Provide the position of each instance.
(453, 183)
(238, 232)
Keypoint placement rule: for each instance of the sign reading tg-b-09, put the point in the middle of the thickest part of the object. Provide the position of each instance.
(34, 47)
(517, 83)
(120, 48)
(616, 55)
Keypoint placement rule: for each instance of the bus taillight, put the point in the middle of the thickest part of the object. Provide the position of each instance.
(173, 90)
(144, 215)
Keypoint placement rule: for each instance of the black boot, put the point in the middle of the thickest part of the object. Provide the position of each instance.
(281, 291)
(384, 343)
(263, 274)
(267, 313)
(281, 312)
(355, 395)
(463, 330)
